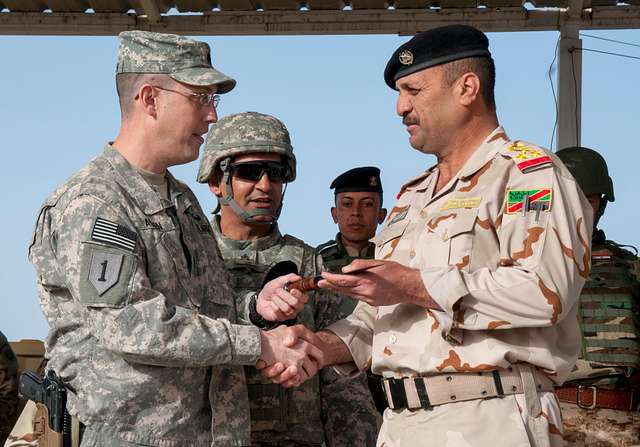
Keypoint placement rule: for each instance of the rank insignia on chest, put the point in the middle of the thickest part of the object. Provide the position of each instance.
(528, 159)
(523, 201)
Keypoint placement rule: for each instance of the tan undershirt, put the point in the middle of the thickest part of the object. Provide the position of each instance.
(157, 181)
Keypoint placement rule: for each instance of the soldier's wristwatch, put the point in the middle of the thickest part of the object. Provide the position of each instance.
(257, 319)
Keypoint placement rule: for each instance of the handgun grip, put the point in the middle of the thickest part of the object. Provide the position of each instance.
(30, 386)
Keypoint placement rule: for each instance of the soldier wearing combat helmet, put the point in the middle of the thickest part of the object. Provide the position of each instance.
(142, 324)
(247, 162)
(601, 396)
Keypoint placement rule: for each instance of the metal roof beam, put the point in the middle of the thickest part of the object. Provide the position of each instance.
(150, 8)
(404, 22)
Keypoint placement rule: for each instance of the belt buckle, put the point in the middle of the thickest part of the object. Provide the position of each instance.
(594, 392)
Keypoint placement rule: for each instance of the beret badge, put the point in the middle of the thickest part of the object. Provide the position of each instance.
(406, 57)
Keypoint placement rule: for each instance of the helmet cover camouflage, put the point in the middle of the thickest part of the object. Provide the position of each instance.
(589, 169)
(183, 59)
(245, 133)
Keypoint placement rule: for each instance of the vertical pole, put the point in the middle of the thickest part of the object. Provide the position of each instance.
(569, 87)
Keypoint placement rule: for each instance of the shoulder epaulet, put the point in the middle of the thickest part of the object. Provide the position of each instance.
(414, 181)
(528, 157)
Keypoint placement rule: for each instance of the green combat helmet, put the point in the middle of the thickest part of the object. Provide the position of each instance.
(590, 171)
(239, 134)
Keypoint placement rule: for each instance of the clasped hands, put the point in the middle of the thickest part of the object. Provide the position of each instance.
(292, 355)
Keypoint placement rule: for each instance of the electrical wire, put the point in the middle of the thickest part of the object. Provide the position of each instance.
(553, 92)
(607, 52)
(610, 40)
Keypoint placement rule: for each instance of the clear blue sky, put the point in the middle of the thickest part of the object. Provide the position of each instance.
(58, 108)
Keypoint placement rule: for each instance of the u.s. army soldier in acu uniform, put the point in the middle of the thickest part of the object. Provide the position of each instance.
(142, 320)
(248, 158)
(469, 309)
(600, 400)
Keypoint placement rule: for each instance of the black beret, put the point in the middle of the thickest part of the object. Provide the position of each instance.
(435, 47)
(366, 178)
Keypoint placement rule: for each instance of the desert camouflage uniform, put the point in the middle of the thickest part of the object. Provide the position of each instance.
(9, 401)
(338, 413)
(507, 280)
(141, 315)
(609, 318)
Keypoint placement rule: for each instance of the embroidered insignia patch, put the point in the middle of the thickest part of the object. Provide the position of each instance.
(528, 159)
(373, 181)
(114, 234)
(468, 202)
(105, 270)
(398, 217)
(528, 200)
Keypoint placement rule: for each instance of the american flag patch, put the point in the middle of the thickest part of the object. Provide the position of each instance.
(112, 233)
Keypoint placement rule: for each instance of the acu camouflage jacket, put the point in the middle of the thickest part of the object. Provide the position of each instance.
(140, 311)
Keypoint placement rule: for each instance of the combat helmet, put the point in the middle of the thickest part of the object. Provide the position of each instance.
(589, 169)
(240, 134)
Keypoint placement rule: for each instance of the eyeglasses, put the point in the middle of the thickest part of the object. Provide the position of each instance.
(254, 170)
(204, 99)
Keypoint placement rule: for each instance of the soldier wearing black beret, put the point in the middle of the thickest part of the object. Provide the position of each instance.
(469, 309)
(357, 211)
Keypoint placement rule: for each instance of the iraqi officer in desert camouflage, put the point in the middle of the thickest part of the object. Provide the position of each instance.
(469, 309)
(247, 162)
(142, 320)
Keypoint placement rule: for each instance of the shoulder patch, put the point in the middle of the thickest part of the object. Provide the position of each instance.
(113, 234)
(526, 158)
(105, 274)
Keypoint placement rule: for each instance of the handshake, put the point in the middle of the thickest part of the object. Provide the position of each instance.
(290, 355)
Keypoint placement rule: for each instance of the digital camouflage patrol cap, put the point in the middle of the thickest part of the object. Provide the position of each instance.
(436, 46)
(183, 59)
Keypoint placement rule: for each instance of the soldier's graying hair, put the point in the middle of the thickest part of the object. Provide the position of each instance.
(128, 84)
(483, 67)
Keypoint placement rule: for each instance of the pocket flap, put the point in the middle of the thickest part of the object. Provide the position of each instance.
(390, 232)
(452, 223)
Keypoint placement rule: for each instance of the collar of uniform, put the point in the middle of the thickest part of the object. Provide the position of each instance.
(340, 245)
(227, 245)
(418, 183)
(485, 152)
(129, 178)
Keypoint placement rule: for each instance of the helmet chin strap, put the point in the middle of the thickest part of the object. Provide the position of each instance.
(246, 216)
(599, 213)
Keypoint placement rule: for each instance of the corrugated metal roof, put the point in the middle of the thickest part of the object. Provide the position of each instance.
(255, 17)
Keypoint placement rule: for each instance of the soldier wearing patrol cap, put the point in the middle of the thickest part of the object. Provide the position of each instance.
(247, 162)
(601, 397)
(469, 310)
(143, 328)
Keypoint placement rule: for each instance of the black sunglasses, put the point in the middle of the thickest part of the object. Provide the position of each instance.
(253, 171)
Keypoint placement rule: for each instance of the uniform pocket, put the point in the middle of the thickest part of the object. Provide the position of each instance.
(387, 240)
